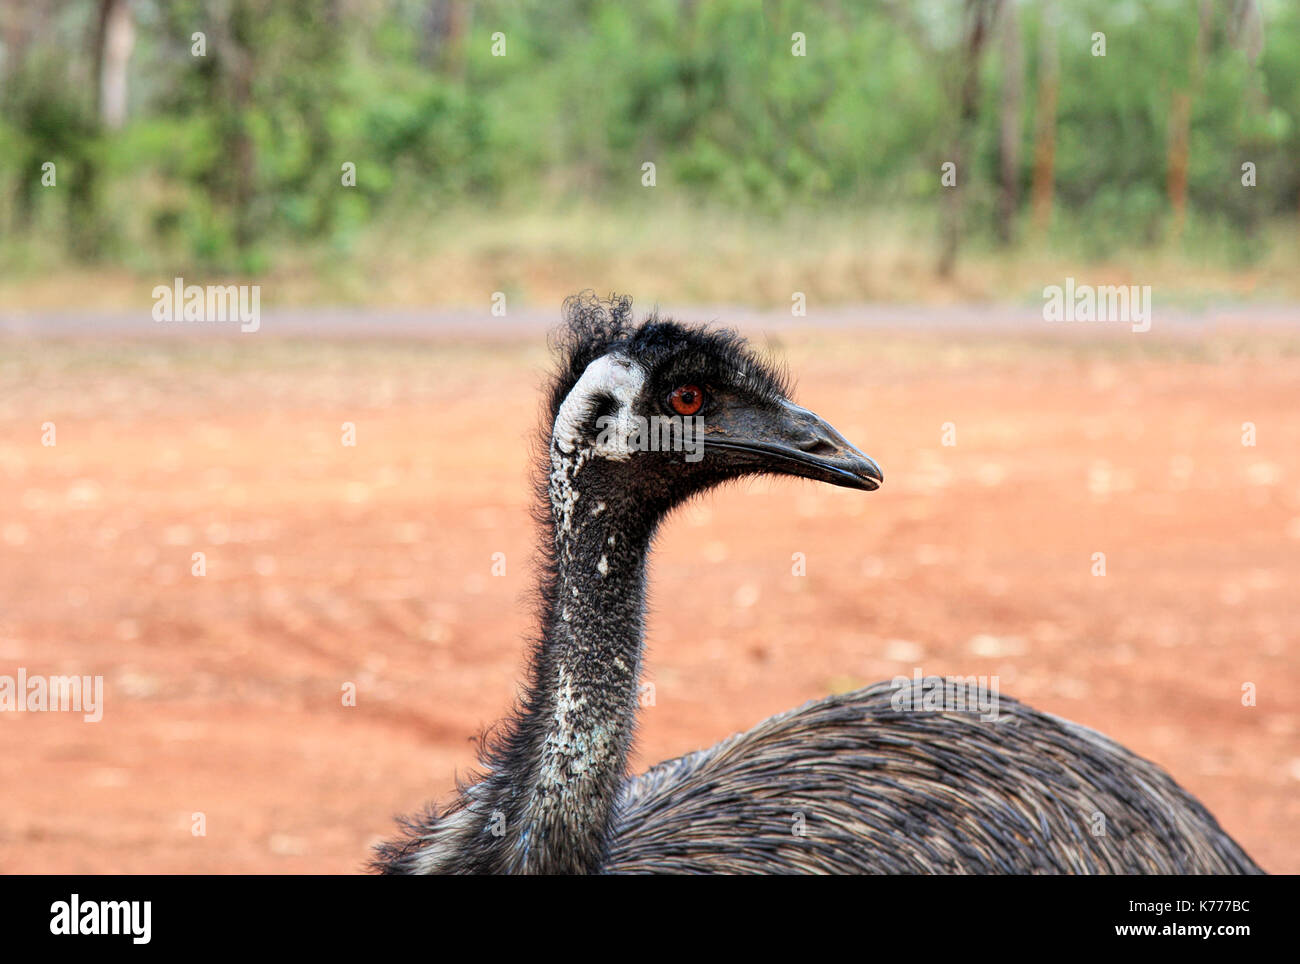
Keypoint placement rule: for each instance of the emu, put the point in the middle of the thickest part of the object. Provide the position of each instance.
(848, 784)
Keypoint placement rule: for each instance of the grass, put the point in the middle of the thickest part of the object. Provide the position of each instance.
(679, 253)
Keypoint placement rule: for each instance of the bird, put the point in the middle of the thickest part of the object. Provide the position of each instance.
(896, 778)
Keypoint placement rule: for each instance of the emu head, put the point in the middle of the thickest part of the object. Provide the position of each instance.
(651, 414)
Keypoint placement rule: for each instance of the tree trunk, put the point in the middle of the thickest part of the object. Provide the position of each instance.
(1246, 33)
(1180, 124)
(114, 42)
(1045, 121)
(1013, 81)
(234, 53)
(979, 16)
(443, 35)
(16, 32)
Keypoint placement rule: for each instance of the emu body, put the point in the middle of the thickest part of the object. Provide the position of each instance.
(851, 785)
(846, 784)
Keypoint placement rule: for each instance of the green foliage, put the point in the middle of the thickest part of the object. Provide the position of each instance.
(229, 157)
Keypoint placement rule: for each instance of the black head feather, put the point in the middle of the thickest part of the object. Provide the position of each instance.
(671, 351)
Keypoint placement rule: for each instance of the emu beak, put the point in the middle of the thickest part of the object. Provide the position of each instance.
(795, 441)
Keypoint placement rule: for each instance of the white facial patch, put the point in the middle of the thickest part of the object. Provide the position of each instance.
(616, 376)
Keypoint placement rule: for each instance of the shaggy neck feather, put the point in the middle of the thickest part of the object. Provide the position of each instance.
(569, 745)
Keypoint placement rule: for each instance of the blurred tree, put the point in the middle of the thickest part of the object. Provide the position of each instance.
(115, 39)
(224, 157)
(1045, 118)
(977, 20)
(1013, 79)
(443, 35)
(1246, 34)
(233, 55)
(19, 23)
(1180, 120)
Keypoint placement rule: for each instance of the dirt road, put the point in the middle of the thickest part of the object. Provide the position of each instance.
(327, 565)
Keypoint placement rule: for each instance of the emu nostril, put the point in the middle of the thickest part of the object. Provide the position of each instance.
(816, 446)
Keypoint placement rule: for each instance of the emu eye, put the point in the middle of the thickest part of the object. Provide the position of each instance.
(686, 400)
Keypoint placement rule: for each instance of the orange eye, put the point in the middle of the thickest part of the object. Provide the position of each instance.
(687, 400)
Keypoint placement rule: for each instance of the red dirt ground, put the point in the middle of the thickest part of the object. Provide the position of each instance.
(372, 565)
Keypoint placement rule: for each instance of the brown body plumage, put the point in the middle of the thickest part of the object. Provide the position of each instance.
(850, 784)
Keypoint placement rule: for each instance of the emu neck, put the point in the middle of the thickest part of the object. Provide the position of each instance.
(579, 715)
